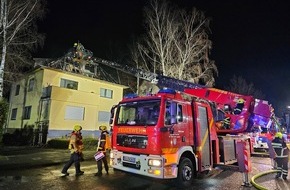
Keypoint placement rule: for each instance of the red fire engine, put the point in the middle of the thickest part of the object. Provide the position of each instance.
(181, 132)
(167, 136)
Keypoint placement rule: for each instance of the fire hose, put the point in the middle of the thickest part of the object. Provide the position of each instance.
(260, 175)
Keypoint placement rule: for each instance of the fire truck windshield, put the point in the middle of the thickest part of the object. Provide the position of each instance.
(138, 113)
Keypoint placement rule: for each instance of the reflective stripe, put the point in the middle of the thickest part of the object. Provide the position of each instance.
(282, 152)
(283, 156)
(277, 144)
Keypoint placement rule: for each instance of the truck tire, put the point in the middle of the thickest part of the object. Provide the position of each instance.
(185, 172)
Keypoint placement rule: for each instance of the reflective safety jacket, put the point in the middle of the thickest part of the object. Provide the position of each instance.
(280, 148)
(103, 144)
(239, 108)
(75, 143)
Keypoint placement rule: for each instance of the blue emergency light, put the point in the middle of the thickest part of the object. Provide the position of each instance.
(167, 91)
(130, 95)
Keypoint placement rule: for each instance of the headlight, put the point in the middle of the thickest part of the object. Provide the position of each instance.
(154, 162)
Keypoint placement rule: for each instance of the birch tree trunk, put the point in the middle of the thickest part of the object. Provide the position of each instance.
(18, 34)
(3, 23)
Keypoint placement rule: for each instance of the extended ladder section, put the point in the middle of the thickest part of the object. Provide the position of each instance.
(160, 80)
(176, 84)
(152, 77)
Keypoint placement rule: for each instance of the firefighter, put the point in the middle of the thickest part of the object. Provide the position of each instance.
(102, 147)
(75, 147)
(281, 155)
(239, 106)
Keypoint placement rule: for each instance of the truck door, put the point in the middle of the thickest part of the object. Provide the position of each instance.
(202, 137)
(176, 126)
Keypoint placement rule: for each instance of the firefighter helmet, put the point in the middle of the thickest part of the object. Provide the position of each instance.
(241, 101)
(103, 128)
(279, 135)
(77, 128)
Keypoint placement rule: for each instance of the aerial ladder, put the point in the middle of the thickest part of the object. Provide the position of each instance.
(220, 99)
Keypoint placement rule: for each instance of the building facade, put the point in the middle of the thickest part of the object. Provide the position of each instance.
(53, 101)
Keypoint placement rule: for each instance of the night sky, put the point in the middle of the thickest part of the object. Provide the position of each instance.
(250, 38)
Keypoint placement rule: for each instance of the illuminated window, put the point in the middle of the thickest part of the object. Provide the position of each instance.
(17, 89)
(31, 84)
(106, 93)
(64, 83)
(13, 114)
(27, 112)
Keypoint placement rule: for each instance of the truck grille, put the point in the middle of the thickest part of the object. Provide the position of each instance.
(133, 141)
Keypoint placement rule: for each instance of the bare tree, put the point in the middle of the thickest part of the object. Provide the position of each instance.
(239, 85)
(19, 35)
(177, 43)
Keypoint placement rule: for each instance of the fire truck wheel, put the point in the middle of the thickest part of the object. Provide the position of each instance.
(185, 172)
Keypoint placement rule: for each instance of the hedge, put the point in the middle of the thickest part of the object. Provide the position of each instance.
(62, 143)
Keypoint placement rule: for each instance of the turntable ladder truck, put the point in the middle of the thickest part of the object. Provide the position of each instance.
(171, 134)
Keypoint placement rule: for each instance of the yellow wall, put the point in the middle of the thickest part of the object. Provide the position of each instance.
(32, 99)
(87, 96)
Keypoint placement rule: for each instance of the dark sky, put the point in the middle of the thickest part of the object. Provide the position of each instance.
(251, 38)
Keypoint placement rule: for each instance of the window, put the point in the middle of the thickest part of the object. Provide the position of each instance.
(31, 84)
(104, 116)
(27, 112)
(74, 113)
(179, 113)
(64, 83)
(138, 113)
(106, 93)
(173, 113)
(13, 114)
(17, 89)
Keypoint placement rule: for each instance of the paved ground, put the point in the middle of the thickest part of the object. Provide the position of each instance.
(27, 157)
(32, 157)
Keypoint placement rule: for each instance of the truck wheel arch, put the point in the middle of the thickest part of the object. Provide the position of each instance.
(188, 153)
